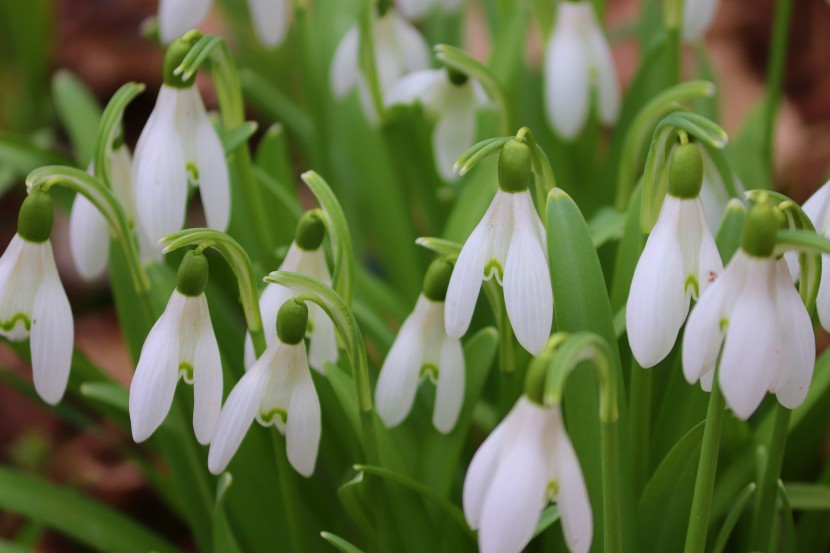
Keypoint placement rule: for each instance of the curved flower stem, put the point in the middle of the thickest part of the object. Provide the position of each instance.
(768, 487)
(775, 76)
(706, 470)
(674, 27)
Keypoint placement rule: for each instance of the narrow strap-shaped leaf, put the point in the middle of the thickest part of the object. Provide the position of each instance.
(79, 113)
(223, 538)
(808, 497)
(339, 543)
(732, 518)
(439, 245)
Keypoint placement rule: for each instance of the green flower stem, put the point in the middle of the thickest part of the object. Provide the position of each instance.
(775, 76)
(507, 359)
(706, 470)
(674, 27)
(641, 382)
(612, 527)
(292, 503)
(768, 487)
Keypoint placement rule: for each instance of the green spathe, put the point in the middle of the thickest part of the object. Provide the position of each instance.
(292, 321)
(514, 166)
(437, 279)
(176, 53)
(193, 274)
(686, 172)
(759, 230)
(310, 230)
(34, 221)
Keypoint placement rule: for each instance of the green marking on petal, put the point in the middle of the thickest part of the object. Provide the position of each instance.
(271, 416)
(552, 490)
(186, 371)
(429, 370)
(691, 281)
(9, 325)
(493, 267)
(192, 172)
(724, 324)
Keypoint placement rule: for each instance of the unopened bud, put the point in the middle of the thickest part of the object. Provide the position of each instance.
(176, 53)
(292, 322)
(193, 274)
(760, 227)
(686, 172)
(437, 279)
(34, 221)
(310, 230)
(514, 166)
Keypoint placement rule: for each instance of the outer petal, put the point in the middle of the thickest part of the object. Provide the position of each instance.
(322, 346)
(455, 131)
(88, 238)
(20, 278)
(483, 467)
(237, 415)
(178, 16)
(399, 375)
(749, 363)
(697, 16)
(418, 85)
(154, 381)
(567, 75)
(449, 396)
(344, 64)
(417, 9)
(823, 298)
(302, 432)
(528, 295)
(710, 265)
(53, 333)
(207, 379)
(270, 19)
(574, 505)
(272, 298)
(797, 346)
(817, 208)
(657, 300)
(608, 90)
(214, 182)
(414, 50)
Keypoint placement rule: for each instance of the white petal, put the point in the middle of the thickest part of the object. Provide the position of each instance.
(302, 433)
(416, 9)
(455, 131)
(414, 50)
(418, 85)
(214, 182)
(567, 78)
(710, 265)
(817, 207)
(236, 417)
(697, 16)
(797, 349)
(344, 64)
(449, 396)
(53, 333)
(272, 298)
(823, 298)
(574, 505)
(322, 346)
(154, 381)
(608, 90)
(19, 281)
(657, 300)
(159, 174)
(713, 192)
(88, 238)
(399, 375)
(748, 363)
(207, 379)
(482, 468)
(528, 296)
(178, 16)
(270, 19)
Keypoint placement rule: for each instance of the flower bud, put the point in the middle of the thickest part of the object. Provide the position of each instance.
(292, 322)
(759, 230)
(514, 166)
(383, 7)
(437, 279)
(686, 172)
(34, 221)
(193, 274)
(457, 77)
(176, 53)
(310, 231)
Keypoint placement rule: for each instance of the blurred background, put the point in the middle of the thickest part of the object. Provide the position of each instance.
(44, 43)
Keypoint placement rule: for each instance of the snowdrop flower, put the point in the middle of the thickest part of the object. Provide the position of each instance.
(305, 256)
(526, 461)
(680, 260)
(33, 303)
(755, 312)
(269, 17)
(453, 99)
(277, 390)
(178, 145)
(416, 10)
(577, 58)
(697, 17)
(423, 350)
(180, 344)
(399, 49)
(509, 243)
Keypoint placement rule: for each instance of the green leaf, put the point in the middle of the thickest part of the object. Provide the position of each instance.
(339, 543)
(110, 131)
(808, 497)
(223, 538)
(353, 496)
(546, 520)
(108, 393)
(789, 524)
(82, 519)
(21, 154)
(238, 136)
(79, 113)
(277, 105)
(732, 518)
(439, 245)
(606, 225)
(728, 238)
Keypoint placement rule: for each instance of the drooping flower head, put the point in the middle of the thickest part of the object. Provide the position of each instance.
(180, 344)
(679, 262)
(697, 17)
(424, 350)
(755, 313)
(525, 462)
(179, 146)
(416, 10)
(399, 49)
(305, 256)
(509, 244)
(277, 390)
(33, 303)
(453, 99)
(577, 60)
(269, 17)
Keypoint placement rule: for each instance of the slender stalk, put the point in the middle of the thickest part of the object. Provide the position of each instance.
(674, 26)
(612, 527)
(775, 75)
(640, 401)
(706, 470)
(290, 496)
(768, 487)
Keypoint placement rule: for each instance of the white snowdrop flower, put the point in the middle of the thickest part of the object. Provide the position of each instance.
(754, 311)
(417, 10)
(713, 193)
(509, 243)
(527, 461)
(33, 303)
(180, 344)
(399, 49)
(679, 261)
(178, 145)
(578, 58)
(179, 16)
(453, 99)
(423, 350)
(697, 17)
(277, 390)
(305, 256)
(270, 19)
